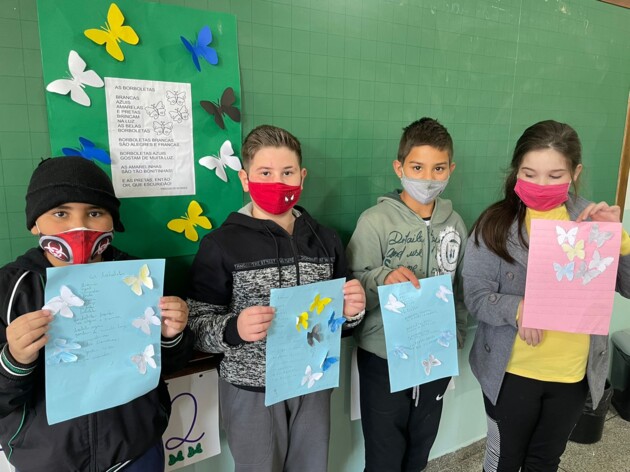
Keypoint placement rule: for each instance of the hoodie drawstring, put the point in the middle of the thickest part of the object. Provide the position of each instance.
(277, 257)
(415, 394)
(330, 266)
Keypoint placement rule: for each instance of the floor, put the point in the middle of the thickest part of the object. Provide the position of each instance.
(610, 454)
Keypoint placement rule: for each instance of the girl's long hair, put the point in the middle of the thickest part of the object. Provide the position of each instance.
(493, 225)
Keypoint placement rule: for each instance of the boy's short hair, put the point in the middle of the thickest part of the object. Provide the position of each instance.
(425, 132)
(268, 136)
(70, 179)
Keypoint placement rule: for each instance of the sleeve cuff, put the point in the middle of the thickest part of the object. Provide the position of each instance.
(14, 367)
(168, 343)
(230, 335)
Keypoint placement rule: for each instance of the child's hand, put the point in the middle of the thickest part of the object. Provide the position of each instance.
(26, 335)
(600, 212)
(531, 336)
(353, 298)
(402, 274)
(174, 316)
(253, 322)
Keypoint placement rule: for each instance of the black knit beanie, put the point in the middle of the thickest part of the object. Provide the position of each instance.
(69, 179)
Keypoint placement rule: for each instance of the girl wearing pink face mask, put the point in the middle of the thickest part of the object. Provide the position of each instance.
(534, 382)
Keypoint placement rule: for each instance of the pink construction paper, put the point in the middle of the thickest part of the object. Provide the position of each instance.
(582, 301)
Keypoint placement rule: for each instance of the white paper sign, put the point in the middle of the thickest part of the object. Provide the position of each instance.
(4, 463)
(193, 430)
(355, 388)
(150, 137)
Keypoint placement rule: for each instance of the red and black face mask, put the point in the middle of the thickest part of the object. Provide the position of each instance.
(76, 246)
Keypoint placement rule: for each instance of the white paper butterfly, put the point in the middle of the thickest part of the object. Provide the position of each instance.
(144, 322)
(63, 303)
(445, 339)
(175, 98)
(310, 378)
(442, 293)
(156, 110)
(79, 78)
(180, 114)
(226, 158)
(145, 359)
(568, 236)
(564, 271)
(401, 352)
(598, 237)
(143, 278)
(62, 352)
(163, 127)
(432, 361)
(585, 274)
(393, 304)
(598, 263)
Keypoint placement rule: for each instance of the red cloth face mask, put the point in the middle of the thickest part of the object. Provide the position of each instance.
(541, 197)
(76, 246)
(274, 197)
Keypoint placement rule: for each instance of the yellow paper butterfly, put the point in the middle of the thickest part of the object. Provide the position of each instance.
(113, 32)
(319, 304)
(187, 223)
(574, 251)
(301, 321)
(143, 278)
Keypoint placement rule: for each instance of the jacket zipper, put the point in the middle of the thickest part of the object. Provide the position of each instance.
(295, 258)
(92, 433)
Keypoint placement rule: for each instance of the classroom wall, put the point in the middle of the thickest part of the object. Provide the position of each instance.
(345, 76)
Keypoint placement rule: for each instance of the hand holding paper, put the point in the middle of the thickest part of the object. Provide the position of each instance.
(174, 316)
(531, 336)
(253, 322)
(400, 275)
(353, 298)
(600, 212)
(26, 335)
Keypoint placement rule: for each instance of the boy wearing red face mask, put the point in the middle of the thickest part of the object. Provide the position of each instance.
(71, 205)
(269, 243)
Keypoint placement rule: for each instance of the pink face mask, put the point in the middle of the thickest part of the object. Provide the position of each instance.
(541, 197)
(76, 246)
(274, 197)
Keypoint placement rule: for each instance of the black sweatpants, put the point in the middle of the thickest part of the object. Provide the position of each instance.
(398, 435)
(530, 425)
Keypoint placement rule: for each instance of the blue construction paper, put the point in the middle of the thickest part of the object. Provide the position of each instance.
(420, 331)
(108, 327)
(291, 360)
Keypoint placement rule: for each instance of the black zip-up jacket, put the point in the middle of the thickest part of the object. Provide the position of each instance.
(102, 441)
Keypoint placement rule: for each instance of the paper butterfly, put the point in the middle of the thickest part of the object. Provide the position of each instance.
(144, 322)
(432, 361)
(202, 48)
(187, 223)
(175, 98)
(310, 377)
(80, 77)
(163, 127)
(401, 352)
(319, 304)
(143, 278)
(88, 151)
(445, 339)
(328, 362)
(314, 335)
(62, 352)
(442, 293)
(334, 323)
(226, 158)
(156, 110)
(585, 274)
(224, 106)
(63, 303)
(564, 271)
(597, 237)
(393, 304)
(113, 32)
(174, 459)
(598, 263)
(180, 114)
(301, 321)
(574, 251)
(145, 359)
(566, 236)
(194, 450)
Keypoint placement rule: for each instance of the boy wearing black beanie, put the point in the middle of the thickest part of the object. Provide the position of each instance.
(72, 207)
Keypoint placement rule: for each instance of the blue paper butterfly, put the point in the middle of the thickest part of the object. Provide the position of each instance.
(445, 339)
(335, 323)
(202, 48)
(88, 151)
(401, 352)
(328, 362)
(62, 352)
(564, 271)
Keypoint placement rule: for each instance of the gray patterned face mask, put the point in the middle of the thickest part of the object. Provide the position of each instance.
(421, 190)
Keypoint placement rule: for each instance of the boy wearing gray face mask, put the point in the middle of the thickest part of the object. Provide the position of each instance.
(408, 235)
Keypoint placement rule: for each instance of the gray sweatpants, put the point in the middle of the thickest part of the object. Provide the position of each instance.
(290, 436)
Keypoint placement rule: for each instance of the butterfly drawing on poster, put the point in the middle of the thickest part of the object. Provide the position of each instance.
(335, 323)
(574, 251)
(314, 335)
(113, 33)
(186, 224)
(445, 338)
(135, 282)
(180, 114)
(226, 158)
(393, 304)
(586, 274)
(64, 303)
(163, 128)
(328, 362)
(89, 151)
(155, 110)
(225, 106)
(443, 293)
(429, 363)
(310, 378)
(564, 271)
(145, 359)
(202, 48)
(566, 236)
(319, 304)
(144, 322)
(401, 352)
(79, 78)
(598, 237)
(61, 352)
(301, 321)
(175, 97)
